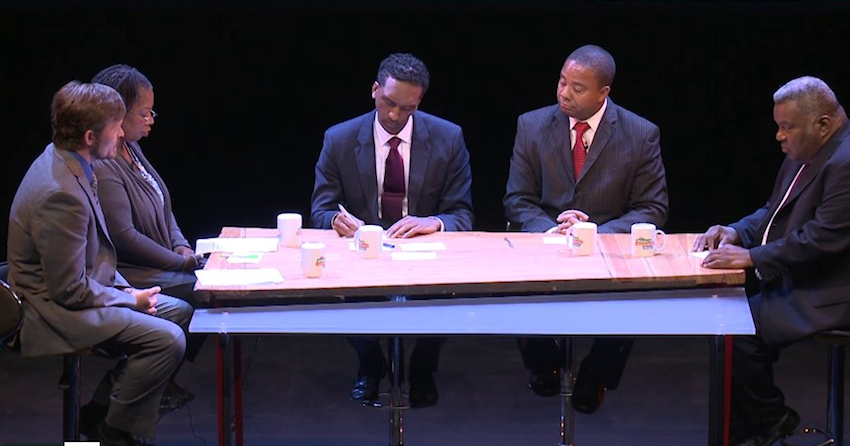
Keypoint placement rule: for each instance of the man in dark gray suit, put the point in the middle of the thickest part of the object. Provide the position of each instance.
(799, 245)
(62, 262)
(406, 171)
(584, 159)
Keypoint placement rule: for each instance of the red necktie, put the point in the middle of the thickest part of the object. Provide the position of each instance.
(579, 150)
(393, 183)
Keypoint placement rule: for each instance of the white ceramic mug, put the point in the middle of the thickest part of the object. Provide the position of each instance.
(289, 230)
(369, 239)
(313, 259)
(647, 239)
(581, 238)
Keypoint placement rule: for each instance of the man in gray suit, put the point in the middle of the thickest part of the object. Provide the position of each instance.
(62, 262)
(584, 159)
(402, 169)
(799, 245)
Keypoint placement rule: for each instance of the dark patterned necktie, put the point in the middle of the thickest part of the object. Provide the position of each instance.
(579, 148)
(93, 184)
(393, 183)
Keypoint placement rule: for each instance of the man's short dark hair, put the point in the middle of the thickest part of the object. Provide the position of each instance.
(404, 67)
(78, 108)
(597, 59)
(126, 80)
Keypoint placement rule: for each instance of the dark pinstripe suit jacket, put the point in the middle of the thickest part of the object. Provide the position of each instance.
(623, 181)
(805, 265)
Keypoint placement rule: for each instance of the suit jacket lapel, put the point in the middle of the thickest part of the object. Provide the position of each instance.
(607, 126)
(420, 152)
(77, 170)
(365, 154)
(560, 140)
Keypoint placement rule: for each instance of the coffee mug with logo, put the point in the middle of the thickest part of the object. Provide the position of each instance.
(647, 239)
(313, 259)
(369, 239)
(581, 238)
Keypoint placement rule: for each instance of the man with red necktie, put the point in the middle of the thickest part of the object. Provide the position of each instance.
(799, 245)
(405, 170)
(584, 159)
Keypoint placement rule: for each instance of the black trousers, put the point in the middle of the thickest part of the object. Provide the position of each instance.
(424, 359)
(607, 357)
(756, 401)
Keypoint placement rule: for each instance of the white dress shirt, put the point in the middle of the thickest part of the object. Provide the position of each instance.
(593, 122)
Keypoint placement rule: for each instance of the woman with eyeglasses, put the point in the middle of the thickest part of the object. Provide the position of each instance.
(152, 250)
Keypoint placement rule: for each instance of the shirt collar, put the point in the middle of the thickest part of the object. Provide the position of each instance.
(85, 165)
(594, 120)
(382, 136)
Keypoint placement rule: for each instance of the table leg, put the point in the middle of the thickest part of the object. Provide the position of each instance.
(224, 383)
(720, 391)
(395, 352)
(396, 355)
(567, 421)
(237, 389)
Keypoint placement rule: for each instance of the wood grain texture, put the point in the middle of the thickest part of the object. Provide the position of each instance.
(474, 263)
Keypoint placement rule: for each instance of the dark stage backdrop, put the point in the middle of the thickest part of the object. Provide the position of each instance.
(245, 89)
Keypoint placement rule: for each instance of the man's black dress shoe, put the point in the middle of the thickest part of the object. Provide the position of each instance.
(589, 390)
(783, 426)
(91, 414)
(174, 397)
(365, 389)
(423, 390)
(545, 384)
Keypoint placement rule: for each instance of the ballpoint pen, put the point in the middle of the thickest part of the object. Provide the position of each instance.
(508, 241)
(343, 210)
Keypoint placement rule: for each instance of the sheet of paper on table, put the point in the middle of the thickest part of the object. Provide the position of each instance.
(422, 246)
(245, 257)
(225, 277)
(258, 244)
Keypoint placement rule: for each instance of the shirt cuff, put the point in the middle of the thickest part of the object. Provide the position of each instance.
(442, 225)
(551, 230)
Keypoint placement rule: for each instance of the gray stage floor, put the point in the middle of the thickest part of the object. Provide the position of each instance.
(296, 393)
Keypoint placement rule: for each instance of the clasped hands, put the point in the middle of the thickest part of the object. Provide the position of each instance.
(346, 225)
(568, 218)
(723, 244)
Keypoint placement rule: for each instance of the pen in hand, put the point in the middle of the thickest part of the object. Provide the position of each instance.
(343, 210)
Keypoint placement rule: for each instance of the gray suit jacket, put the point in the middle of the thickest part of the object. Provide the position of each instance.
(439, 183)
(805, 264)
(142, 227)
(61, 260)
(623, 180)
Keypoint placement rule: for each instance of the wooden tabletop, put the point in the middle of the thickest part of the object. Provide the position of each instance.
(474, 263)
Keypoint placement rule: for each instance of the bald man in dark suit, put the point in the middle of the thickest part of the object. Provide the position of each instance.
(799, 245)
